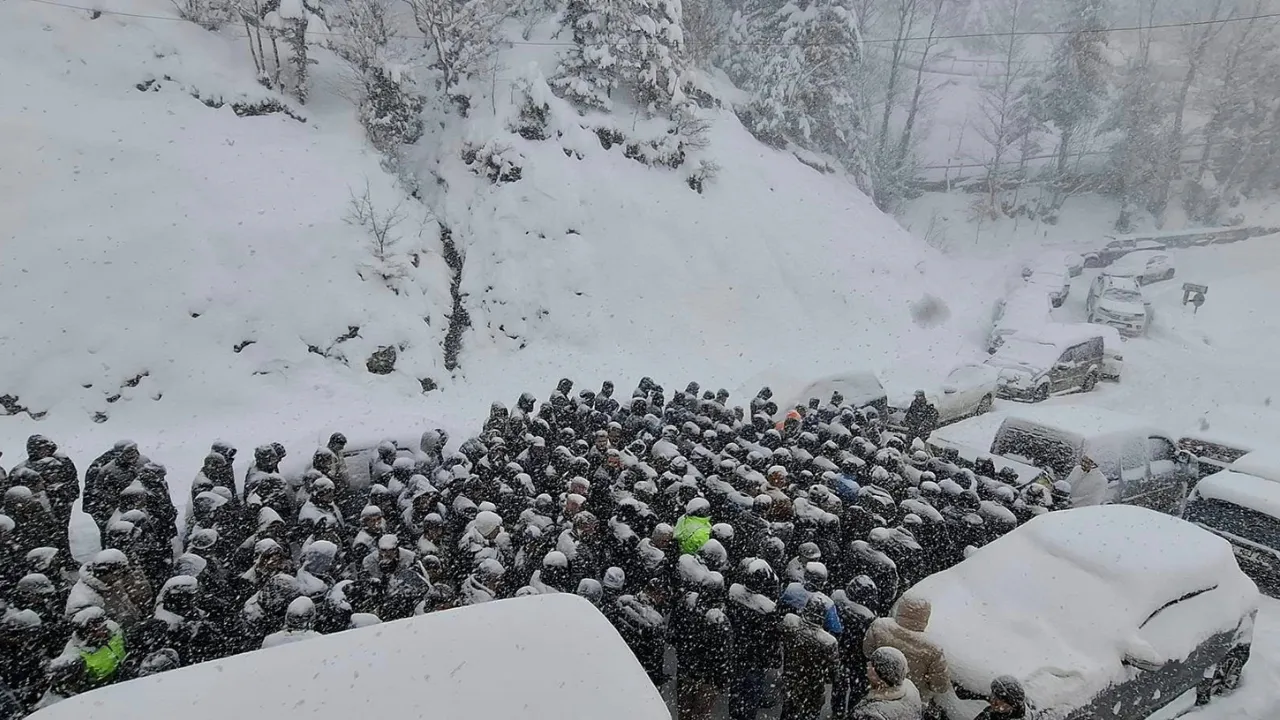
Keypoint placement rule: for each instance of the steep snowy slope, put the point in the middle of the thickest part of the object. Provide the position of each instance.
(148, 234)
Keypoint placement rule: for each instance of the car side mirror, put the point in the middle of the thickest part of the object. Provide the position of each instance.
(949, 389)
(1062, 366)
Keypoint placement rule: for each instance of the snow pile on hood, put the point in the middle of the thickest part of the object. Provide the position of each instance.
(550, 657)
(1059, 602)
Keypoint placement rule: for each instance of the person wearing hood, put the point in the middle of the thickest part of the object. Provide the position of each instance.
(103, 486)
(483, 584)
(299, 618)
(271, 491)
(1088, 484)
(809, 552)
(321, 507)
(639, 620)
(270, 558)
(892, 696)
(93, 657)
(552, 576)
(264, 612)
(693, 529)
(110, 583)
(1007, 700)
(316, 571)
(854, 604)
(866, 560)
(178, 624)
(61, 483)
(23, 654)
(270, 527)
(265, 462)
(753, 613)
(811, 659)
(484, 539)
(796, 596)
(37, 594)
(703, 638)
(34, 525)
(926, 662)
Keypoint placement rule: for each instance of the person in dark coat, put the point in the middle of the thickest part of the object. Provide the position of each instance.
(177, 624)
(102, 488)
(703, 639)
(921, 417)
(854, 604)
(34, 526)
(753, 613)
(866, 560)
(811, 659)
(1007, 701)
(61, 484)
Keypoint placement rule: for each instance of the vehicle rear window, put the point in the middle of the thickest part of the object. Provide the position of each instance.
(1032, 448)
(1239, 521)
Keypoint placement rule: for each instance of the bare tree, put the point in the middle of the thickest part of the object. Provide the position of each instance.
(1007, 117)
(383, 237)
(463, 35)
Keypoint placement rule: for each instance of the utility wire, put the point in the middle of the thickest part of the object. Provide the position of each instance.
(873, 41)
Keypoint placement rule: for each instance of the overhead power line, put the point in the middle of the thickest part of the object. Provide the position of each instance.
(865, 41)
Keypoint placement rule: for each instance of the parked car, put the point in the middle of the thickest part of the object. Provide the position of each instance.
(1146, 266)
(1118, 247)
(1227, 434)
(859, 388)
(1260, 463)
(1056, 359)
(1245, 511)
(557, 656)
(1025, 309)
(1102, 613)
(1054, 281)
(1112, 346)
(971, 439)
(1117, 301)
(1140, 461)
(968, 390)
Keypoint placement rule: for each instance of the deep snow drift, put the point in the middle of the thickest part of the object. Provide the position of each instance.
(150, 236)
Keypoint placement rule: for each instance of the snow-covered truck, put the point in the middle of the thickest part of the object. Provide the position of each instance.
(553, 657)
(1103, 613)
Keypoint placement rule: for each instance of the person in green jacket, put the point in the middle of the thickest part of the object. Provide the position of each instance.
(94, 656)
(693, 529)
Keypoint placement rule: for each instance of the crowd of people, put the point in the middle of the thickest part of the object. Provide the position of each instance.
(772, 558)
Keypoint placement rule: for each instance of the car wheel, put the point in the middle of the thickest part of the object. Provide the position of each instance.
(984, 405)
(1168, 274)
(1041, 393)
(1092, 261)
(1226, 677)
(1090, 382)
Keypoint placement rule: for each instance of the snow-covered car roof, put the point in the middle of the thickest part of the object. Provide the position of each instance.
(1064, 335)
(1025, 350)
(790, 388)
(1245, 427)
(1260, 463)
(1081, 422)
(1060, 601)
(1247, 491)
(550, 656)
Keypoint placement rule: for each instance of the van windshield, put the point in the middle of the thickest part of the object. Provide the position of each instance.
(1035, 448)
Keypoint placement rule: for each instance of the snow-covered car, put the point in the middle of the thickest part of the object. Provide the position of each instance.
(1146, 266)
(1141, 464)
(1227, 434)
(550, 657)
(1112, 345)
(968, 390)
(1118, 247)
(1102, 613)
(1117, 301)
(1055, 359)
(1261, 463)
(1025, 309)
(1245, 511)
(859, 389)
(1053, 281)
(971, 439)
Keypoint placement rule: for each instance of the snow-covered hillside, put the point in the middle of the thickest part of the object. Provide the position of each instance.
(190, 273)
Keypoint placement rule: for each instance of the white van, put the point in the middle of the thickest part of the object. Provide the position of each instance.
(546, 657)
(1142, 464)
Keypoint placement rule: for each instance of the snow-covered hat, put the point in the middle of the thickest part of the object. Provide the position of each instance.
(388, 542)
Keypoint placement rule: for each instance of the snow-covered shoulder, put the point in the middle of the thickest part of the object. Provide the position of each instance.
(550, 656)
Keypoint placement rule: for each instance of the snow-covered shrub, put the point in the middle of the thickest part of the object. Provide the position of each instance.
(384, 235)
(494, 160)
(208, 14)
(702, 174)
(666, 151)
(535, 111)
(390, 106)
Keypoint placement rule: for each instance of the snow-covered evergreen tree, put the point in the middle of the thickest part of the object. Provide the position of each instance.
(802, 72)
(602, 37)
(389, 104)
(300, 26)
(656, 49)
(1140, 119)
